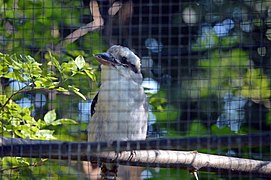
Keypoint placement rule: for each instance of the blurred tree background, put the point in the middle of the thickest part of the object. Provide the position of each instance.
(206, 67)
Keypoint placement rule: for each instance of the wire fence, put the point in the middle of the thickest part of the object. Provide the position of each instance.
(206, 69)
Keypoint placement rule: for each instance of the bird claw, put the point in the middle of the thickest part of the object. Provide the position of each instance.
(133, 153)
(107, 173)
(195, 175)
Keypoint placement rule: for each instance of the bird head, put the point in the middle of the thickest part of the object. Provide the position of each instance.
(121, 58)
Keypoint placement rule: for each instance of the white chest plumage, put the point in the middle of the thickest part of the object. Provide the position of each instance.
(120, 111)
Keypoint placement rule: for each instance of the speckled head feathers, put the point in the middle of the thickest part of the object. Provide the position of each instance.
(124, 56)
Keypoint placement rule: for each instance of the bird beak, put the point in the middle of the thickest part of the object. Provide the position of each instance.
(105, 58)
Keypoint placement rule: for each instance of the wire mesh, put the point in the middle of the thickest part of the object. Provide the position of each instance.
(206, 73)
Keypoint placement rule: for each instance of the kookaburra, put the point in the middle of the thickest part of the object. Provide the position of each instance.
(119, 110)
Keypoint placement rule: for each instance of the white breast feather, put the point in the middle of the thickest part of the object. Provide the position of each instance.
(119, 113)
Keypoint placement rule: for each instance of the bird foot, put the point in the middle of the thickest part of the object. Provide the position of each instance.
(109, 173)
(132, 155)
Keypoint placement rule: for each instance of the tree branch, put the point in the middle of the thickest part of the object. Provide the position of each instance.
(31, 89)
(40, 163)
(15, 93)
(151, 153)
(96, 24)
(191, 160)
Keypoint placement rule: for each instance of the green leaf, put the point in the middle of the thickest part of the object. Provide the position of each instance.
(15, 63)
(3, 69)
(76, 91)
(197, 129)
(50, 116)
(19, 134)
(23, 161)
(30, 59)
(80, 94)
(167, 114)
(69, 67)
(3, 99)
(54, 62)
(15, 75)
(62, 89)
(64, 121)
(41, 123)
(80, 62)
(90, 74)
(9, 162)
(216, 131)
(45, 134)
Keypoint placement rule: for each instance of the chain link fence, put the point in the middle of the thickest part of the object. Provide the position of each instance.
(206, 69)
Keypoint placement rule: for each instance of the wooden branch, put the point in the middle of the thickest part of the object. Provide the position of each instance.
(96, 24)
(114, 9)
(151, 153)
(191, 160)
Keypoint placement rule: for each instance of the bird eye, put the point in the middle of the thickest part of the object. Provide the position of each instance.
(123, 59)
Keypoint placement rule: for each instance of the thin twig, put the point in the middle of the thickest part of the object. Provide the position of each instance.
(17, 92)
(40, 163)
(23, 90)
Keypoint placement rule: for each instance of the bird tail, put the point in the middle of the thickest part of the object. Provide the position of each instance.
(109, 172)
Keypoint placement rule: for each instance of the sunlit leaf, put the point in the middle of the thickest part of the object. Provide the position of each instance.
(54, 61)
(221, 131)
(76, 91)
(50, 116)
(41, 123)
(167, 114)
(15, 75)
(90, 74)
(64, 121)
(69, 67)
(45, 134)
(197, 129)
(9, 162)
(80, 62)
(62, 89)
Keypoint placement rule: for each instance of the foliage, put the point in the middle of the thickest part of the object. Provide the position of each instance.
(256, 86)
(37, 76)
(197, 129)
(68, 71)
(221, 72)
(209, 40)
(164, 113)
(163, 174)
(17, 168)
(33, 27)
(17, 121)
(37, 22)
(229, 71)
(161, 107)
